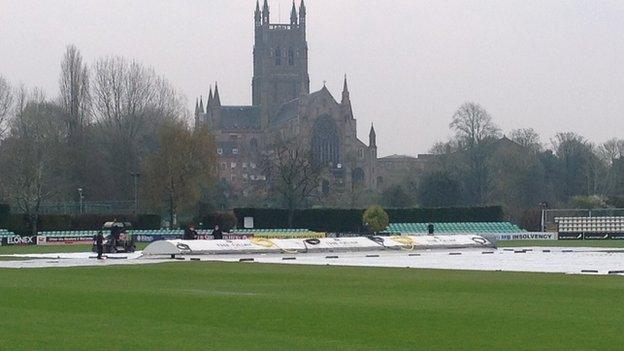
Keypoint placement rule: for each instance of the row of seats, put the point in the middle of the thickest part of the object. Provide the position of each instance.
(82, 233)
(176, 232)
(6, 233)
(455, 227)
(590, 224)
(251, 231)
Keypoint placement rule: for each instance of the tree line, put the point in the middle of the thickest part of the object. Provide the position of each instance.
(479, 166)
(114, 125)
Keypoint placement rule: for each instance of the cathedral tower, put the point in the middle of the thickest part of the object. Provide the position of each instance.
(280, 60)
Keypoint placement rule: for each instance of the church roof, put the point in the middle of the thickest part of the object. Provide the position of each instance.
(290, 109)
(239, 118)
(397, 157)
(286, 112)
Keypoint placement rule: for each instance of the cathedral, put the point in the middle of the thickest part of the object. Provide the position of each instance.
(284, 108)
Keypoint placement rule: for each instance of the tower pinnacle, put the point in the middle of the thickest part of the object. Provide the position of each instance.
(345, 90)
(257, 14)
(209, 102)
(216, 98)
(293, 14)
(265, 13)
(372, 137)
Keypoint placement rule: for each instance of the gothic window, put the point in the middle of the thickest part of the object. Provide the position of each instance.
(291, 56)
(253, 143)
(278, 56)
(357, 177)
(325, 142)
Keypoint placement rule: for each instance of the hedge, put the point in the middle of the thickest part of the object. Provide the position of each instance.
(19, 223)
(5, 210)
(225, 220)
(350, 220)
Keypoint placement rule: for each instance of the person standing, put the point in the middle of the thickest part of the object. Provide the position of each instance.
(217, 234)
(99, 244)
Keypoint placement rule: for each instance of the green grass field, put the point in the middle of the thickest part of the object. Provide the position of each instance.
(221, 306)
(10, 250)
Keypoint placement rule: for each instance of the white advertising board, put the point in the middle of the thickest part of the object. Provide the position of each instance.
(527, 236)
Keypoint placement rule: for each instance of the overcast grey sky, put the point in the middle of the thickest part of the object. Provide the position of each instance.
(551, 65)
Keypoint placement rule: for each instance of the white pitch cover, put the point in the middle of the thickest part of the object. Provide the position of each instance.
(264, 245)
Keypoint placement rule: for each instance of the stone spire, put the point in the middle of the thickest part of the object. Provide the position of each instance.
(372, 137)
(258, 14)
(345, 91)
(216, 98)
(196, 108)
(265, 13)
(209, 102)
(346, 102)
(302, 10)
(293, 14)
(201, 104)
(302, 18)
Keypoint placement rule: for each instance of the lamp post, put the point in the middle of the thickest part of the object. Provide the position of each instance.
(544, 206)
(136, 176)
(80, 197)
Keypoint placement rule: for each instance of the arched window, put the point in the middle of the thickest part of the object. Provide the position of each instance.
(325, 142)
(278, 56)
(291, 56)
(357, 176)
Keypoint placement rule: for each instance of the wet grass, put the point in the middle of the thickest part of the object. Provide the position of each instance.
(246, 306)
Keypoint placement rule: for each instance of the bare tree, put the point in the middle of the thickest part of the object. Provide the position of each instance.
(6, 104)
(74, 99)
(473, 127)
(293, 174)
(528, 138)
(611, 150)
(444, 147)
(473, 124)
(74, 92)
(130, 103)
(31, 157)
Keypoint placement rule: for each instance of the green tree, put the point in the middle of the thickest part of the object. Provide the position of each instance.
(396, 196)
(375, 218)
(182, 165)
(578, 165)
(439, 189)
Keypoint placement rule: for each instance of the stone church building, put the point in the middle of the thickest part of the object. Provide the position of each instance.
(283, 108)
